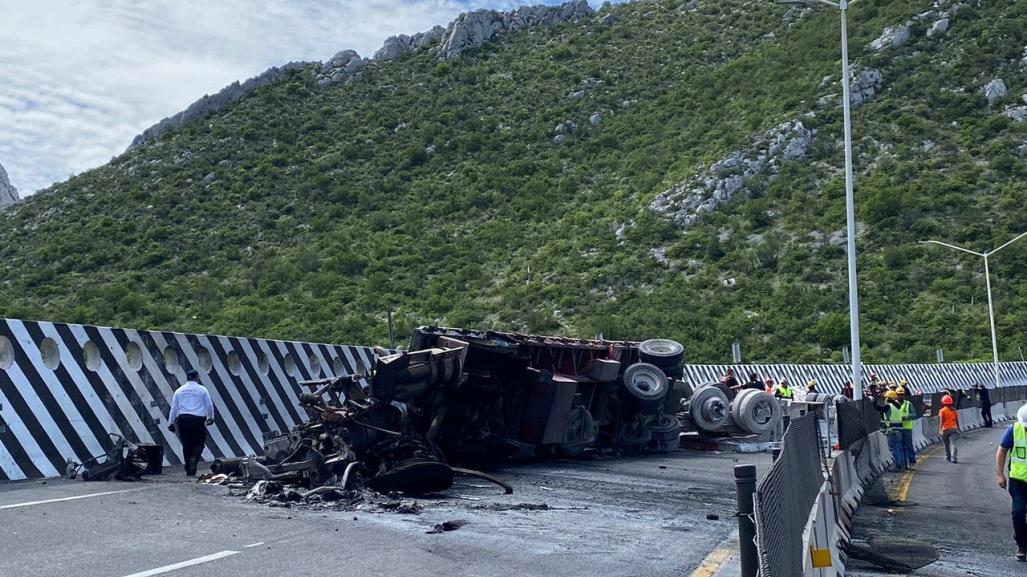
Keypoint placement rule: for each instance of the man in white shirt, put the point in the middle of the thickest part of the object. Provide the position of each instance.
(192, 412)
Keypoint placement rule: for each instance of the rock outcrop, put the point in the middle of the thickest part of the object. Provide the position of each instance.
(752, 167)
(470, 30)
(345, 66)
(474, 29)
(8, 194)
(892, 37)
(865, 86)
(214, 102)
(995, 90)
(396, 46)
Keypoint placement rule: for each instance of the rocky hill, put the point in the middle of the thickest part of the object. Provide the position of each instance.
(662, 167)
(8, 194)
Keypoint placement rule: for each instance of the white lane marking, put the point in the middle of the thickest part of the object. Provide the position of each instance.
(184, 564)
(90, 495)
(250, 546)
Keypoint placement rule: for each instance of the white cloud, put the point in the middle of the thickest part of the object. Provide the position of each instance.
(80, 78)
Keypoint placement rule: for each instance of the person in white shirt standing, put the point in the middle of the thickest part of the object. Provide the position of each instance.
(192, 412)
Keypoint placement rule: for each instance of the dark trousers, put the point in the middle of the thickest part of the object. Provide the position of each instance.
(1018, 491)
(986, 415)
(907, 447)
(192, 431)
(898, 452)
(949, 437)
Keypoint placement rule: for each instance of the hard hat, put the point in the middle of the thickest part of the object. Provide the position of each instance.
(901, 391)
(1021, 415)
(892, 395)
(947, 400)
(903, 382)
(811, 383)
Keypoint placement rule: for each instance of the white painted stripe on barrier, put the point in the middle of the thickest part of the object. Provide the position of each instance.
(71, 415)
(224, 414)
(157, 373)
(80, 379)
(214, 432)
(106, 375)
(280, 403)
(250, 420)
(43, 417)
(141, 391)
(248, 386)
(7, 462)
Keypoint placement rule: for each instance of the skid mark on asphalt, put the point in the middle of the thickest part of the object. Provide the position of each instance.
(75, 498)
(184, 564)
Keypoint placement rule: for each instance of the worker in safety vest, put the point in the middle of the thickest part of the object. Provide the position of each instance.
(1014, 444)
(893, 417)
(784, 390)
(908, 415)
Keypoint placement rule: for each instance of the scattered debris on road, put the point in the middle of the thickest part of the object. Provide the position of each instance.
(447, 526)
(125, 461)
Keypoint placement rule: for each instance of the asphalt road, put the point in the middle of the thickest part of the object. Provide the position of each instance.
(958, 508)
(613, 517)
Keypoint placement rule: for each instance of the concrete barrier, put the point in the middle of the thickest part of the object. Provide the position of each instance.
(998, 412)
(852, 472)
(64, 388)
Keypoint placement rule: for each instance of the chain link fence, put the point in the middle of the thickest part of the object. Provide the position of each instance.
(784, 498)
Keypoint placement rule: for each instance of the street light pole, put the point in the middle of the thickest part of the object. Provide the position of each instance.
(987, 280)
(850, 203)
(991, 318)
(850, 214)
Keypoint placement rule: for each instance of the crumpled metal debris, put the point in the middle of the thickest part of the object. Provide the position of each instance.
(466, 397)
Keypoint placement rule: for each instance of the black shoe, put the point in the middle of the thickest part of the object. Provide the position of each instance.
(1021, 555)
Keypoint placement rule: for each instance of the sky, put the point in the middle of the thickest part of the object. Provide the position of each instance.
(80, 78)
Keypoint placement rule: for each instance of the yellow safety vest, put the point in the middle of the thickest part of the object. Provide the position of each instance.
(893, 418)
(1018, 456)
(786, 392)
(907, 412)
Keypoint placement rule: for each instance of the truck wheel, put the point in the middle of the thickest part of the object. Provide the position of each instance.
(661, 352)
(646, 384)
(709, 408)
(755, 411)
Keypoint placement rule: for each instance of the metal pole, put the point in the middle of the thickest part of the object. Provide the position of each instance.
(745, 493)
(392, 333)
(850, 211)
(991, 317)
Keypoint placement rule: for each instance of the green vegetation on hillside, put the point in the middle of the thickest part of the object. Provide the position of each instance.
(438, 188)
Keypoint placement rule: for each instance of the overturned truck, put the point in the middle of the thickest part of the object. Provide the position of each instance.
(464, 397)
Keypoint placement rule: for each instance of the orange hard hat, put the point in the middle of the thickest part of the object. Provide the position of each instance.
(947, 400)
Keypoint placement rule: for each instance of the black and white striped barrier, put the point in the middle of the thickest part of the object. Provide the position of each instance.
(64, 388)
(831, 378)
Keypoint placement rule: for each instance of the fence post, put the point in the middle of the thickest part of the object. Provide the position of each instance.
(745, 492)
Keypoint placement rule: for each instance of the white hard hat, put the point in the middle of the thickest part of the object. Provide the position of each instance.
(1021, 415)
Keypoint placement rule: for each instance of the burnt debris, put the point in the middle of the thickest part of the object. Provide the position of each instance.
(470, 397)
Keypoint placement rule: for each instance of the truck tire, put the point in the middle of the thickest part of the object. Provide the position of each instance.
(661, 352)
(646, 385)
(755, 411)
(667, 432)
(709, 409)
(580, 433)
